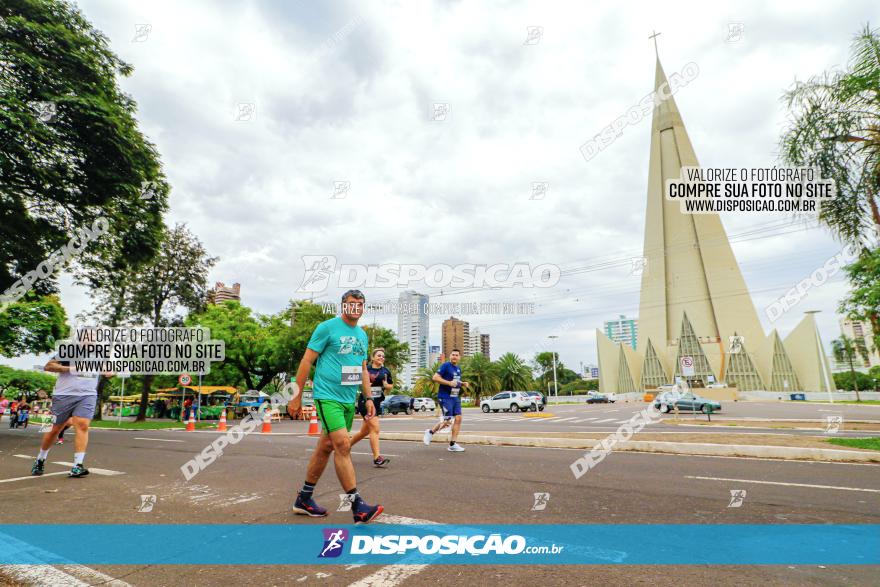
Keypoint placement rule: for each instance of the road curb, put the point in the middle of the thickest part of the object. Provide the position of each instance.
(678, 448)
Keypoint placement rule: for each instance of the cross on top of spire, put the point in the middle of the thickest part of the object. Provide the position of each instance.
(654, 36)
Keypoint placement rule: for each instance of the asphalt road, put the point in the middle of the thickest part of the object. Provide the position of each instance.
(255, 482)
(609, 417)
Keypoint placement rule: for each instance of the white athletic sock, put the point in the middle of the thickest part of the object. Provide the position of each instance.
(78, 458)
(43, 454)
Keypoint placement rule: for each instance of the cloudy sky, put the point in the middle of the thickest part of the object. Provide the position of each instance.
(345, 92)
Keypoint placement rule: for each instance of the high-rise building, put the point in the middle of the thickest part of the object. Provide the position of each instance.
(412, 329)
(456, 335)
(485, 347)
(223, 293)
(696, 317)
(434, 354)
(623, 330)
(858, 329)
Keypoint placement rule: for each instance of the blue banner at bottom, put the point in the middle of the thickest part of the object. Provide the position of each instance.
(596, 544)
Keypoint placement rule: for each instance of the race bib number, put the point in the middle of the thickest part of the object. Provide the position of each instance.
(455, 390)
(352, 375)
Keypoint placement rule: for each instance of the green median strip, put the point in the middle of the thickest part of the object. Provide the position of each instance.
(147, 425)
(868, 443)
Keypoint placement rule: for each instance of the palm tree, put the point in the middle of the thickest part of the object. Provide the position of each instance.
(513, 373)
(480, 373)
(849, 350)
(835, 127)
(424, 385)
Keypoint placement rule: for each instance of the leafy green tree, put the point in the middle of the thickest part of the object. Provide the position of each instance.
(260, 347)
(424, 384)
(836, 128)
(863, 302)
(480, 373)
(32, 325)
(513, 373)
(847, 381)
(849, 350)
(396, 352)
(71, 151)
(14, 382)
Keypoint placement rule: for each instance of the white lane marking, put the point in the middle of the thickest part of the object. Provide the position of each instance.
(32, 477)
(566, 419)
(40, 574)
(95, 470)
(785, 484)
(587, 419)
(94, 576)
(605, 420)
(157, 439)
(391, 575)
(369, 454)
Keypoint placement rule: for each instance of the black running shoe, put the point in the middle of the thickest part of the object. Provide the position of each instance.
(37, 469)
(308, 507)
(363, 513)
(381, 461)
(78, 471)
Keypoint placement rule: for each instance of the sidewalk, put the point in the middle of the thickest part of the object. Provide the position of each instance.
(787, 447)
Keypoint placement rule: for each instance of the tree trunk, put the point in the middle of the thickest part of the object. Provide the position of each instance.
(852, 370)
(145, 398)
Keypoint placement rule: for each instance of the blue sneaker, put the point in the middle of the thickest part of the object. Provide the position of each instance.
(308, 507)
(364, 513)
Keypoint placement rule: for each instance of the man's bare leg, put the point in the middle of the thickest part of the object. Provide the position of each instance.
(342, 459)
(319, 459)
(456, 427)
(50, 436)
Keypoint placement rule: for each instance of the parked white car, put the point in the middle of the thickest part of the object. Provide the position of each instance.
(424, 404)
(509, 401)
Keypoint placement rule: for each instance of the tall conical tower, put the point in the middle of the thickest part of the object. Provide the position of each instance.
(693, 295)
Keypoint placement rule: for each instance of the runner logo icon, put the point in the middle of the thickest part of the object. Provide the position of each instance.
(334, 540)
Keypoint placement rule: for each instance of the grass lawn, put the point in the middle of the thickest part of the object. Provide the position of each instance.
(870, 443)
(147, 425)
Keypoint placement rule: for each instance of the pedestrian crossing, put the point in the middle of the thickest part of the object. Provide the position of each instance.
(551, 419)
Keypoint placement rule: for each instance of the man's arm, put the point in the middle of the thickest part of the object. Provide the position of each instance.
(54, 366)
(294, 406)
(365, 389)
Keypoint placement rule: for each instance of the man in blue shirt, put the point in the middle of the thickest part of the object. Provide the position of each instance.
(449, 378)
(340, 347)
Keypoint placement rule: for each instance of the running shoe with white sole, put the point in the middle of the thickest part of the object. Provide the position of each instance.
(308, 507)
(365, 513)
(455, 448)
(427, 437)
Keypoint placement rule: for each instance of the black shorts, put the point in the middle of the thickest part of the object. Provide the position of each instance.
(362, 405)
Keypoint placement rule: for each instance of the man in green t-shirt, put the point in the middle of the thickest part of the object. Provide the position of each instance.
(340, 347)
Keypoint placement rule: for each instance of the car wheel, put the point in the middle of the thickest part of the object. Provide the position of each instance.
(514, 408)
(409, 411)
(541, 408)
(485, 408)
(704, 408)
(533, 408)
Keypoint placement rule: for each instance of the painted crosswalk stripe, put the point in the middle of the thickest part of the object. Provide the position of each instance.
(566, 419)
(783, 483)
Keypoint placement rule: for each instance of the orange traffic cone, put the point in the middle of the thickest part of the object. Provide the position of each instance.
(221, 427)
(191, 425)
(313, 424)
(267, 423)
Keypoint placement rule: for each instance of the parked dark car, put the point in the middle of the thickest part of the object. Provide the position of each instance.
(397, 403)
(539, 398)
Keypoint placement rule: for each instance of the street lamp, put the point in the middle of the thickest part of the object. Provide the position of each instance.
(555, 384)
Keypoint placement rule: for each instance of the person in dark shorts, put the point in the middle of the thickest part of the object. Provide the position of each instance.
(380, 380)
(340, 347)
(451, 384)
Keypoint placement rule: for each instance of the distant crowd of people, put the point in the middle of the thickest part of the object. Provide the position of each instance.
(18, 411)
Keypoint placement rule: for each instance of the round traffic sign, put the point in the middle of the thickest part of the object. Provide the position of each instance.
(184, 379)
